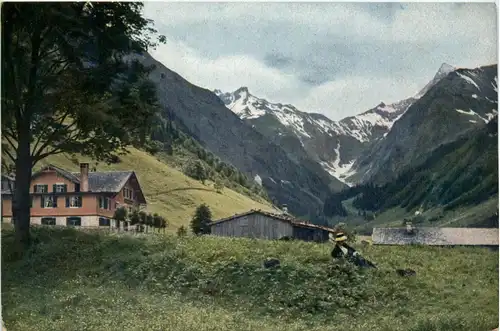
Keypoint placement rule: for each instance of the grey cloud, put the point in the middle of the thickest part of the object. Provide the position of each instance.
(297, 39)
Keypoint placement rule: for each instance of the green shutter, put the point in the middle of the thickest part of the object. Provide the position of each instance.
(34, 189)
(46, 188)
(67, 202)
(41, 201)
(65, 189)
(55, 202)
(54, 188)
(80, 202)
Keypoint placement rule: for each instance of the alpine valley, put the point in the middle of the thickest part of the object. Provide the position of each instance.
(303, 159)
(379, 145)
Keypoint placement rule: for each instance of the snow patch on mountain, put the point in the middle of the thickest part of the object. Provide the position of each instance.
(258, 180)
(473, 113)
(341, 172)
(292, 120)
(469, 80)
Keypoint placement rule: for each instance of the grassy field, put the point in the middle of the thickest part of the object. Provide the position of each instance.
(169, 192)
(137, 282)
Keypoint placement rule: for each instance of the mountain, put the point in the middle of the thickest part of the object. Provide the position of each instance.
(459, 101)
(301, 184)
(459, 174)
(334, 145)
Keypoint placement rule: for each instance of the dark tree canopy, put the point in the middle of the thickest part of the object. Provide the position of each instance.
(201, 220)
(71, 84)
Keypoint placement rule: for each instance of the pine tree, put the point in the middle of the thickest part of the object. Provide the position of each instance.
(201, 220)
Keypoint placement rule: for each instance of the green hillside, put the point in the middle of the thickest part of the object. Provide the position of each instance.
(169, 192)
(155, 282)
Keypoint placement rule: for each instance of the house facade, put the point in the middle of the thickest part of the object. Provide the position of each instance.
(264, 225)
(85, 198)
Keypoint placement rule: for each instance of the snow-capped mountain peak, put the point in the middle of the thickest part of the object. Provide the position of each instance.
(443, 71)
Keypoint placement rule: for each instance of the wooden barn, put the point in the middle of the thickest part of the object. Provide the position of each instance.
(264, 225)
(431, 236)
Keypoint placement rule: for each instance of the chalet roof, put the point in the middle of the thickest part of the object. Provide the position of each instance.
(436, 236)
(286, 218)
(99, 182)
(109, 181)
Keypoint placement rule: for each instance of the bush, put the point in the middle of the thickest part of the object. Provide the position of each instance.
(181, 232)
(196, 170)
(201, 219)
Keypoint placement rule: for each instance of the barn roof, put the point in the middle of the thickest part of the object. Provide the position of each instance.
(436, 236)
(286, 218)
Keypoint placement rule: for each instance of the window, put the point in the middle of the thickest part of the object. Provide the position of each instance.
(128, 193)
(77, 187)
(103, 221)
(104, 203)
(48, 221)
(48, 201)
(39, 188)
(73, 221)
(59, 188)
(73, 202)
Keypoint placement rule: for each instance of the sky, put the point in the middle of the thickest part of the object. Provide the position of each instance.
(338, 59)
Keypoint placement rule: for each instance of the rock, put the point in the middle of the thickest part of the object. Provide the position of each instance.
(271, 263)
(406, 272)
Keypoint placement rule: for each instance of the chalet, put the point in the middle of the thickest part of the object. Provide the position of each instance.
(264, 225)
(87, 199)
(483, 237)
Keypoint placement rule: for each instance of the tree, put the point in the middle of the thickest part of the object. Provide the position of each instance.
(120, 215)
(149, 222)
(219, 185)
(181, 232)
(69, 85)
(196, 170)
(135, 218)
(201, 220)
(143, 218)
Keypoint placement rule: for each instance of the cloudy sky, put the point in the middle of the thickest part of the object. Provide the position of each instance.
(338, 59)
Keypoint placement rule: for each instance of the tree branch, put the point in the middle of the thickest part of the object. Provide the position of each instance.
(9, 154)
(11, 143)
(50, 138)
(54, 151)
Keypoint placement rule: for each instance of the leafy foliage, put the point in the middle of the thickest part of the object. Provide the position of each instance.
(68, 87)
(201, 219)
(181, 232)
(214, 282)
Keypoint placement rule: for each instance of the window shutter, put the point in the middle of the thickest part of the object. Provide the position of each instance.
(65, 189)
(46, 188)
(42, 201)
(34, 189)
(67, 202)
(54, 188)
(55, 202)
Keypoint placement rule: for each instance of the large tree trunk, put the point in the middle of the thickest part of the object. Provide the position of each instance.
(21, 196)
